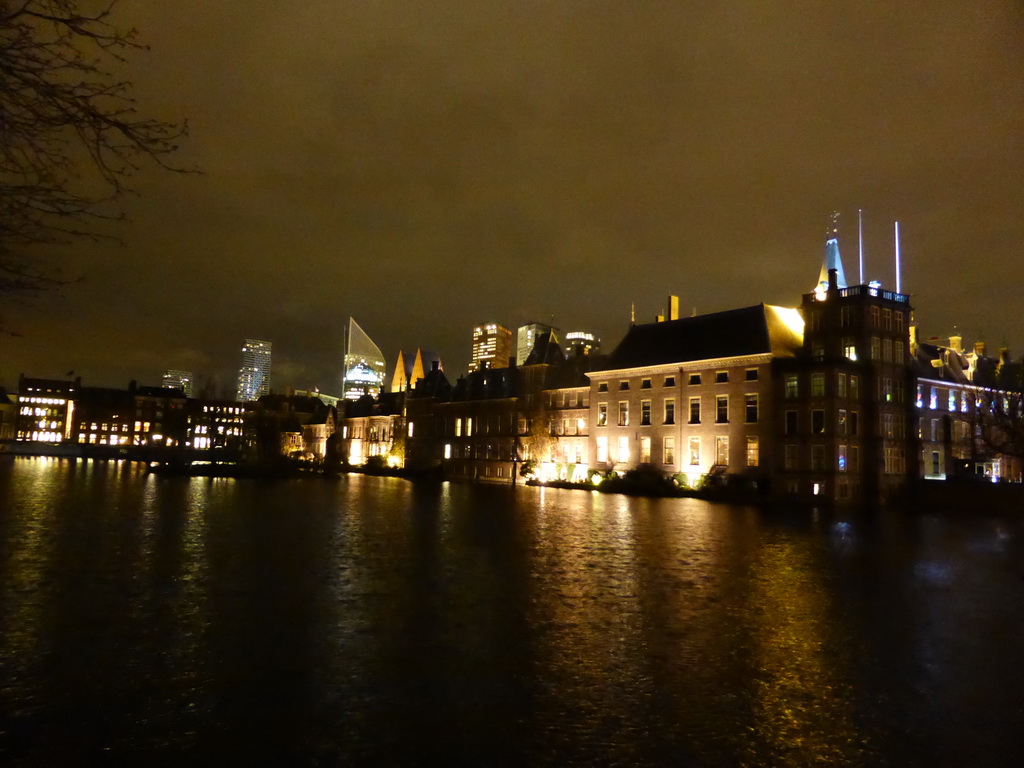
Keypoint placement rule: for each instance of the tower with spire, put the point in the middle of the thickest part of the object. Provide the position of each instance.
(832, 258)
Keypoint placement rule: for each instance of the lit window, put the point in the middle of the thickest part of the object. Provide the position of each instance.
(645, 450)
(623, 413)
(752, 452)
(792, 387)
(669, 453)
(602, 414)
(722, 451)
(694, 451)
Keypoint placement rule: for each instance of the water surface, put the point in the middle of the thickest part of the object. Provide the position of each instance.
(368, 621)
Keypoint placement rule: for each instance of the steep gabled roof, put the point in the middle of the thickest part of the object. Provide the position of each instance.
(546, 350)
(755, 330)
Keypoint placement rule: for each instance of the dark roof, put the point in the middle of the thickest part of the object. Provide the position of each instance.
(732, 333)
(487, 384)
(175, 392)
(546, 350)
(104, 397)
(433, 384)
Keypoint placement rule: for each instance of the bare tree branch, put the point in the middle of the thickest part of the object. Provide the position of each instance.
(70, 135)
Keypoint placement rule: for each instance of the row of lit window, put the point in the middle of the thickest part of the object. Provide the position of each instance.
(721, 377)
(44, 400)
(668, 456)
(751, 411)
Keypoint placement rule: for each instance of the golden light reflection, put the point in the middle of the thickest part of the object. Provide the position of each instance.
(801, 698)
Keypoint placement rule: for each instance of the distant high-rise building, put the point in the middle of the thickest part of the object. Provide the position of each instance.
(492, 346)
(526, 337)
(364, 367)
(180, 379)
(254, 375)
(582, 343)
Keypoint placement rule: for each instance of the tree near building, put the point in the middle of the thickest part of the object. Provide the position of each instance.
(997, 414)
(70, 135)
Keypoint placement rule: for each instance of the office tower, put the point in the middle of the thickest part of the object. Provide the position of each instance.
(254, 375)
(526, 337)
(364, 367)
(180, 380)
(492, 346)
(582, 343)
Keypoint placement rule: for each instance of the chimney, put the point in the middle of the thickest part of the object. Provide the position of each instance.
(434, 365)
(979, 348)
(833, 280)
(673, 307)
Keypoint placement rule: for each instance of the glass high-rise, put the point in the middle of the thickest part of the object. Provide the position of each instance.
(254, 375)
(180, 380)
(364, 367)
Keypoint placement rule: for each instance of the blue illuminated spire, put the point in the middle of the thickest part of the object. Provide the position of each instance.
(832, 258)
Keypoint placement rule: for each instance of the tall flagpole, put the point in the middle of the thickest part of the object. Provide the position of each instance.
(898, 258)
(860, 242)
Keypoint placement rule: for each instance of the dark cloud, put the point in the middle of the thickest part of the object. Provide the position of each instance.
(428, 166)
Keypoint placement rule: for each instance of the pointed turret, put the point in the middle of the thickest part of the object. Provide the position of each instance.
(832, 258)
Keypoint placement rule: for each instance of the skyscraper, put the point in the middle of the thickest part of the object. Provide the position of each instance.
(180, 379)
(526, 337)
(582, 343)
(254, 375)
(492, 346)
(364, 366)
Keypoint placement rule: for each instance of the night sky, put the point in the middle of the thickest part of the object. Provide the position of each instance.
(425, 166)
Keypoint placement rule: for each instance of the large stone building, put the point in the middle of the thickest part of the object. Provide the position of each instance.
(693, 396)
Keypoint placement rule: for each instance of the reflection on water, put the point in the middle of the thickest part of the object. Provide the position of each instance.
(373, 621)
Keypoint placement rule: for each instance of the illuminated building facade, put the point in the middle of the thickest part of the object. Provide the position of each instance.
(180, 380)
(46, 409)
(526, 337)
(363, 367)
(254, 375)
(492, 347)
(693, 397)
(968, 406)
